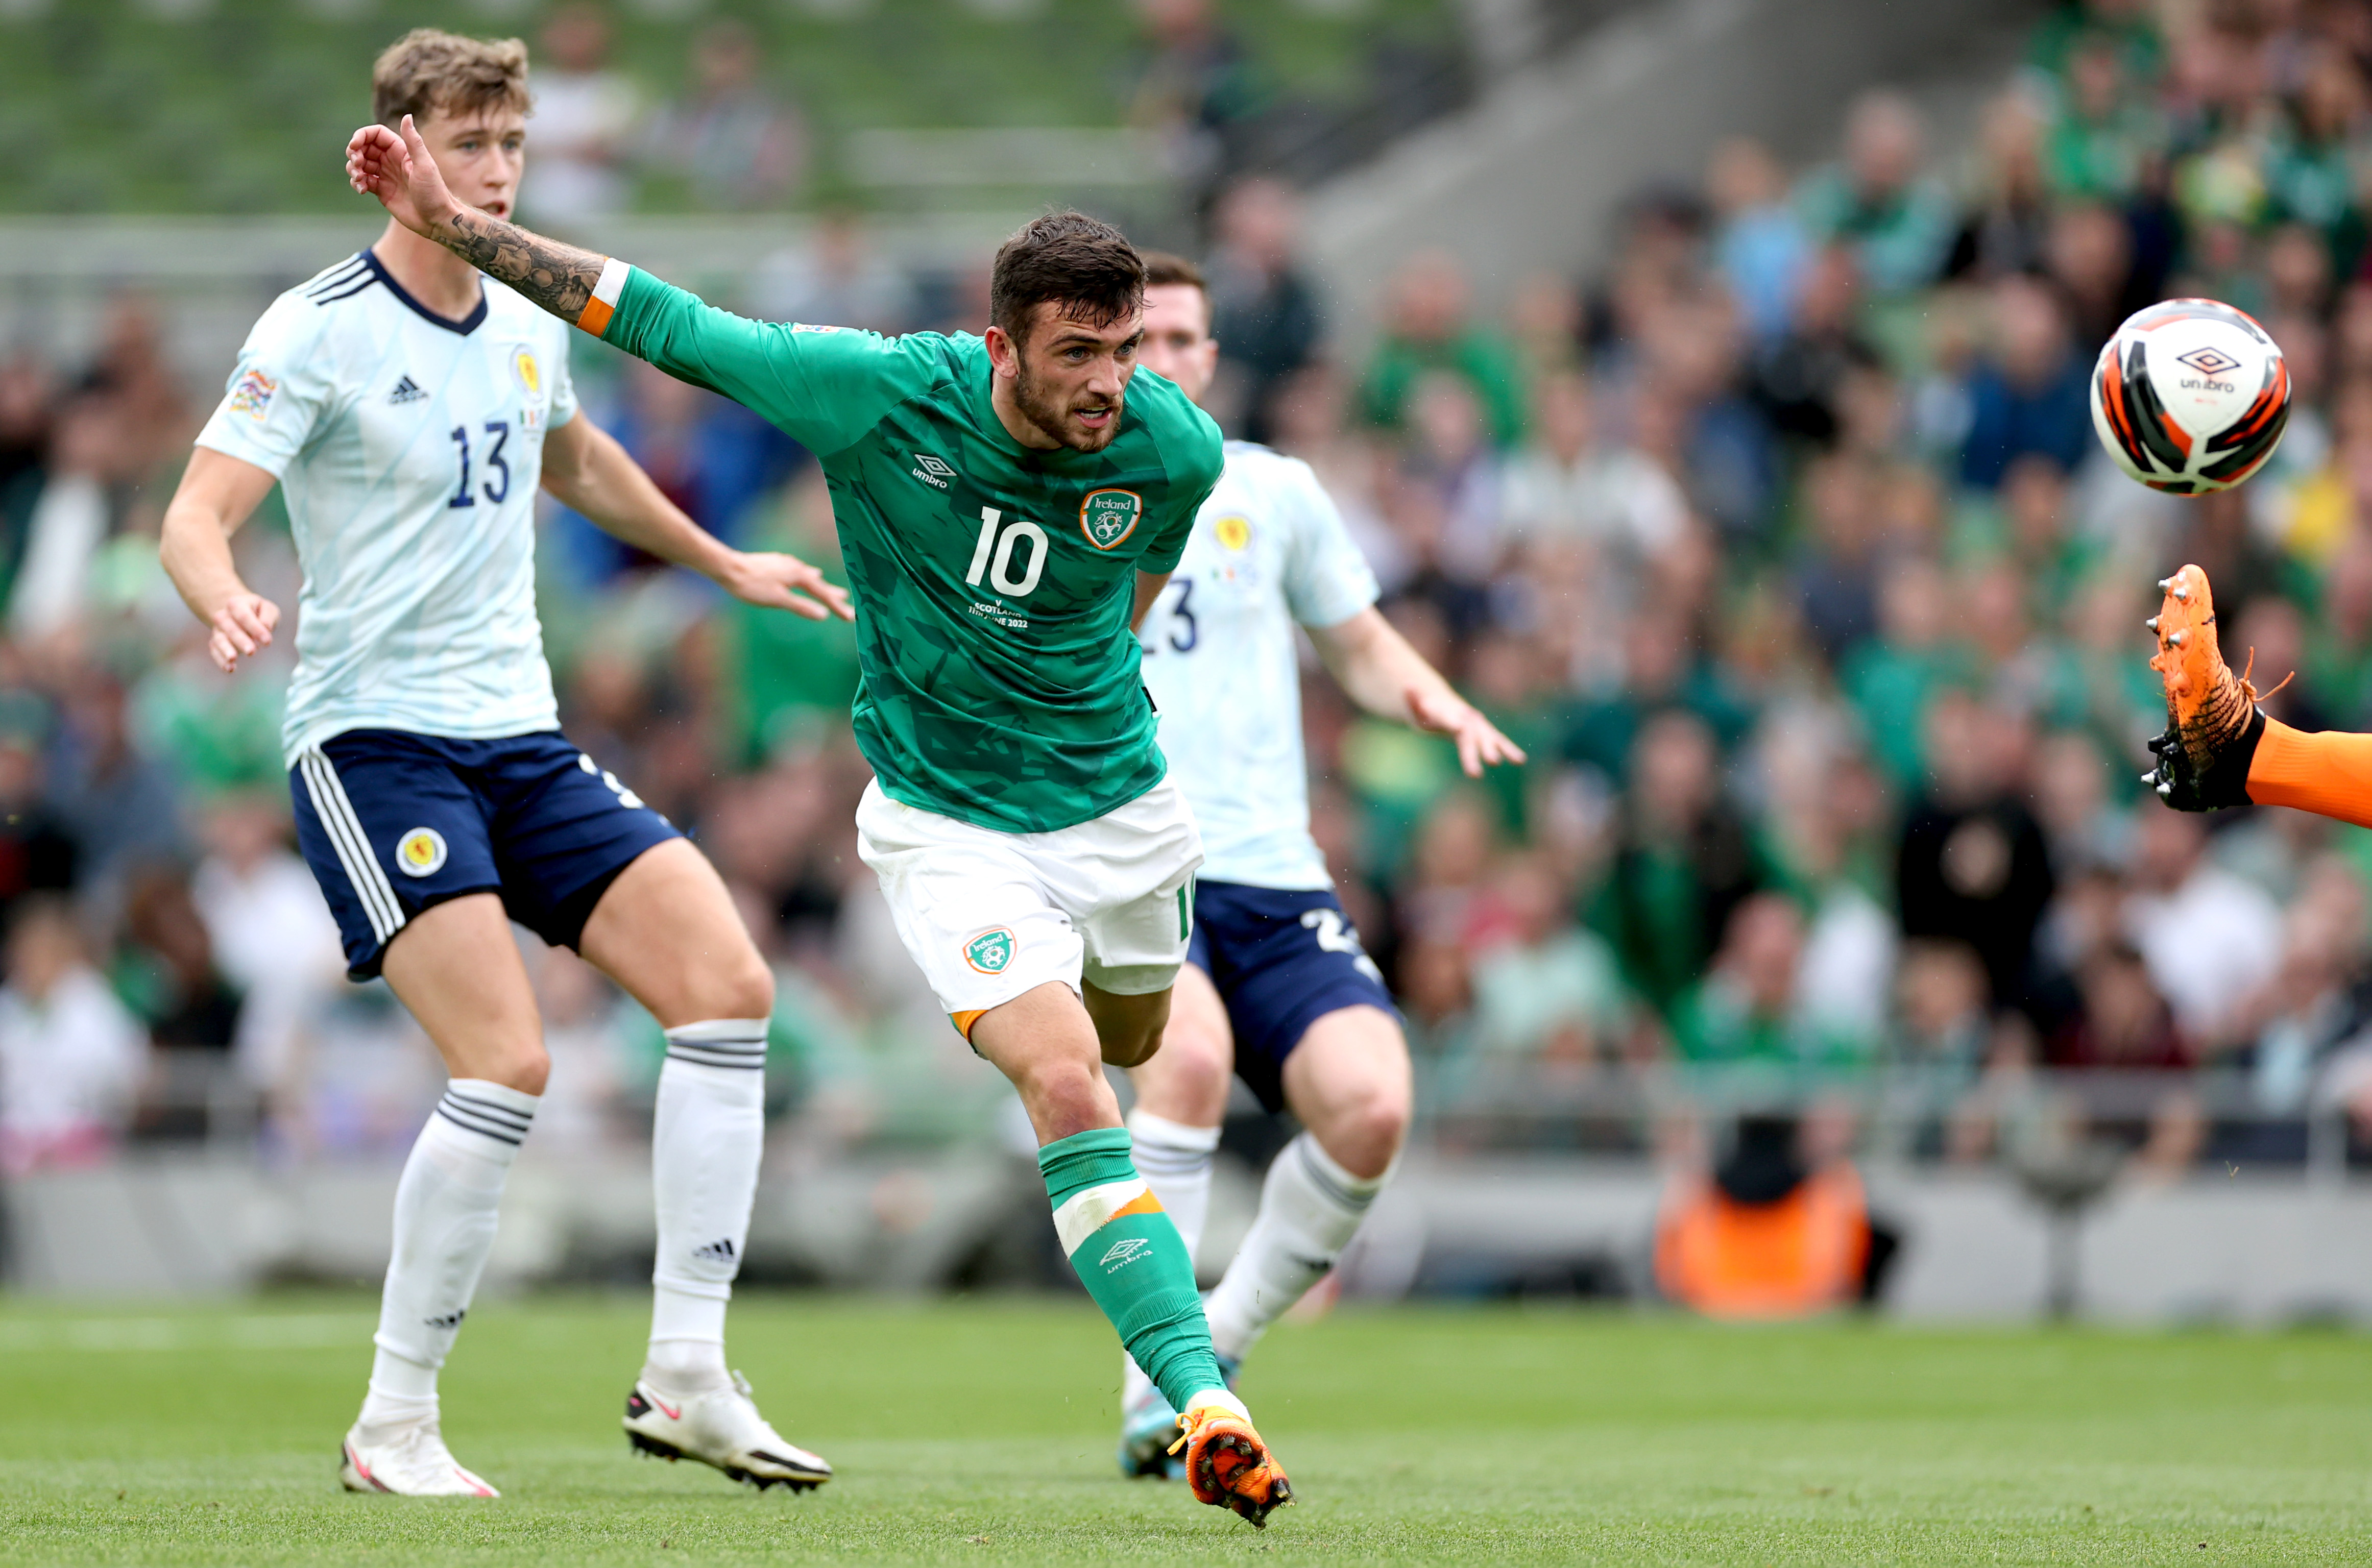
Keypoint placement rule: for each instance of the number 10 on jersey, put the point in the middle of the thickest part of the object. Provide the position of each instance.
(994, 553)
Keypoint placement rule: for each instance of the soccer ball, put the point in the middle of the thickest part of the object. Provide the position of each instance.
(2190, 396)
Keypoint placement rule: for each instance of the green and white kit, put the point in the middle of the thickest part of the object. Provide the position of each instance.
(989, 915)
(1000, 702)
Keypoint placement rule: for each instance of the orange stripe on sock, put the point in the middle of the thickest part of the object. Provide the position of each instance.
(595, 318)
(1147, 1204)
(964, 1021)
(2329, 774)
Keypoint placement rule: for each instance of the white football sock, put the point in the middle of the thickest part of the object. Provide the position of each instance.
(445, 1208)
(1310, 1209)
(1175, 1161)
(705, 1141)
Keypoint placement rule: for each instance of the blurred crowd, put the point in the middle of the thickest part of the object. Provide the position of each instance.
(733, 138)
(1780, 540)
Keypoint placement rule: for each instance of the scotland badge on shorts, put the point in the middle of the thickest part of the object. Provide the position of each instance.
(989, 951)
(420, 852)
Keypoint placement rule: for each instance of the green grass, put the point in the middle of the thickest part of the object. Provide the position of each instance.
(981, 1432)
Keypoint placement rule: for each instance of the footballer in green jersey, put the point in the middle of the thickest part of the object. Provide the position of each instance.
(993, 582)
(1009, 507)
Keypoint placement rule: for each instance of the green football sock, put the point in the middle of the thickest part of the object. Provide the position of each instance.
(1131, 1259)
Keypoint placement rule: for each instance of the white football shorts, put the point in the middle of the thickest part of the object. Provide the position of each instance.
(989, 915)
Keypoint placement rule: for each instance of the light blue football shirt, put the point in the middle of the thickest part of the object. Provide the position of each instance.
(409, 448)
(1268, 551)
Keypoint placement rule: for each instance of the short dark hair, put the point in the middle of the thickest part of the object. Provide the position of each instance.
(1165, 269)
(1076, 261)
(429, 70)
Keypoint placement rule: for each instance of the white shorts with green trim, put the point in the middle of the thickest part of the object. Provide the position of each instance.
(989, 915)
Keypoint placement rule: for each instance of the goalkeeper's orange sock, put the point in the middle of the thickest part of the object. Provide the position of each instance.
(2328, 773)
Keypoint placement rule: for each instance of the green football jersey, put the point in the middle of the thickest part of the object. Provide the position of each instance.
(992, 583)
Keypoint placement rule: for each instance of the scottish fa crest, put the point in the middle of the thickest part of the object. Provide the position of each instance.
(989, 951)
(1107, 517)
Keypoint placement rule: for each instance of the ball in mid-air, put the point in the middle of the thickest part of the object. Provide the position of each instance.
(2190, 396)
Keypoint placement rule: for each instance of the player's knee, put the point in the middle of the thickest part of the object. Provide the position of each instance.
(738, 986)
(525, 1066)
(1128, 1027)
(1063, 1097)
(1366, 1135)
(1131, 1045)
(1191, 1076)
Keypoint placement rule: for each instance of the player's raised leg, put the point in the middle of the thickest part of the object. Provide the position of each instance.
(1348, 1081)
(1118, 1239)
(667, 931)
(453, 965)
(2219, 747)
(1182, 1099)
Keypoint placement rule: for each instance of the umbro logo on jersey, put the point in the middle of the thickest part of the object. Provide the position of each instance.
(406, 392)
(933, 471)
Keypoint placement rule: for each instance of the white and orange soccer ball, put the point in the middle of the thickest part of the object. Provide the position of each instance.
(2190, 396)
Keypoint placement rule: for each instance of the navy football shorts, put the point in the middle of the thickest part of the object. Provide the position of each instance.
(1281, 960)
(394, 823)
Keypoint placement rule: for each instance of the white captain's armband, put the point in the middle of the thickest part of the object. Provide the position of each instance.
(595, 318)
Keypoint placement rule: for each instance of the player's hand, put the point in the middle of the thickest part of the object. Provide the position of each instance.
(783, 582)
(396, 169)
(1480, 744)
(240, 629)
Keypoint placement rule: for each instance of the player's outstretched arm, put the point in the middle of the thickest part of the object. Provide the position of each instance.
(217, 494)
(825, 393)
(585, 468)
(395, 167)
(1391, 679)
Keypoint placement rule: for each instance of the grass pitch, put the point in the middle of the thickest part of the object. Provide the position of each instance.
(981, 1432)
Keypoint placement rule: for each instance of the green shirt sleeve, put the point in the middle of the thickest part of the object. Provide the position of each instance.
(825, 387)
(1195, 454)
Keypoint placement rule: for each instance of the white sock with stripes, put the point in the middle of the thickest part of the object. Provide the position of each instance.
(706, 1140)
(1310, 1209)
(1175, 1161)
(444, 1227)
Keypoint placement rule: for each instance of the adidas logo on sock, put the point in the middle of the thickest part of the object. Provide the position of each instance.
(406, 392)
(719, 1251)
(451, 1320)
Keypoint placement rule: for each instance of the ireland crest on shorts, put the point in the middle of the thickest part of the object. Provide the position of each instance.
(1107, 517)
(989, 951)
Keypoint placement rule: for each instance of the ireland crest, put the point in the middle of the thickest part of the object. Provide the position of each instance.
(991, 950)
(1107, 517)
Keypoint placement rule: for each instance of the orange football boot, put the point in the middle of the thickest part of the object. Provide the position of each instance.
(2212, 719)
(1227, 1464)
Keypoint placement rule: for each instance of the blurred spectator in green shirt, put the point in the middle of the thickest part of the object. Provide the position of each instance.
(1898, 220)
(1431, 327)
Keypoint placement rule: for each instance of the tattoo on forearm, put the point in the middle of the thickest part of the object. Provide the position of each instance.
(558, 277)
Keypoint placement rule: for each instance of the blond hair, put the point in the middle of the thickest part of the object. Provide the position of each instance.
(426, 70)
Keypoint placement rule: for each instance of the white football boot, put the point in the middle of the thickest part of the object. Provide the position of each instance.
(721, 1427)
(409, 1461)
